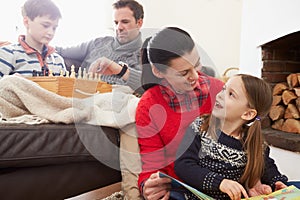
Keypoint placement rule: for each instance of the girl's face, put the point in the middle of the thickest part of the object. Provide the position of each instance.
(231, 103)
(182, 72)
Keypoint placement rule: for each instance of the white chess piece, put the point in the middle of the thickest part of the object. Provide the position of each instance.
(73, 74)
(62, 73)
(50, 74)
(67, 74)
(79, 76)
(84, 76)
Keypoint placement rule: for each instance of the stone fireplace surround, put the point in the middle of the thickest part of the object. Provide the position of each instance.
(280, 58)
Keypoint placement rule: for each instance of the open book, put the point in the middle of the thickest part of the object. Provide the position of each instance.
(176, 183)
(288, 193)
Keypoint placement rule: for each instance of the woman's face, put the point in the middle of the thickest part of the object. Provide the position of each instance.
(182, 72)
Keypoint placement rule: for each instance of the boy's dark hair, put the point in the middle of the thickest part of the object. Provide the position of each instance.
(137, 9)
(38, 8)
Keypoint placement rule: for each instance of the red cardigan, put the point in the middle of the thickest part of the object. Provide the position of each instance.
(160, 129)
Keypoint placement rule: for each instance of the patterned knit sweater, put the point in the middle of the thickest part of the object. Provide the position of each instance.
(160, 129)
(21, 58)
(129, 53)
(205, 162)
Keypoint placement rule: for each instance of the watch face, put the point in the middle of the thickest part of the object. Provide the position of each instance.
(122, 64)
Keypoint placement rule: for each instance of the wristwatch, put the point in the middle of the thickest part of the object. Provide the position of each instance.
(124, 69)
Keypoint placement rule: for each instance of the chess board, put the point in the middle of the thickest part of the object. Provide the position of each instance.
(72, 87)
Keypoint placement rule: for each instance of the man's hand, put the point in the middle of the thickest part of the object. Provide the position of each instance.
(157, 188)
(233, 189)
(105, 66)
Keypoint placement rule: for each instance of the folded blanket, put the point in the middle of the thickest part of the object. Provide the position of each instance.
(23, 101)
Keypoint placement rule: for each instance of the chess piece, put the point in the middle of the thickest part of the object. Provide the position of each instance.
(62, 73)
(50, 73)
(73, 73)
(90, 75)
(84, 76)
(79, 76)
(96, 77)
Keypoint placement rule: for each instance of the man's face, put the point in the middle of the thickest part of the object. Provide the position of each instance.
(126, 27)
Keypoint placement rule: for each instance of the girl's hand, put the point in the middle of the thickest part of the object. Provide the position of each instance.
(233, 189)
(156, 188)
(279, 185)
(259, 189)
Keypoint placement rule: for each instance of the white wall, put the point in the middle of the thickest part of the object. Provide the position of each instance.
(264, 21)
(214, 24)
(10, 19)
(82, 20)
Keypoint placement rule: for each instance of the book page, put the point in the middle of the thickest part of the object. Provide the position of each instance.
(288, 193)
(176, 183)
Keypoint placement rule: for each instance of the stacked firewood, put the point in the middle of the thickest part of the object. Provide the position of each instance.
(285, 110)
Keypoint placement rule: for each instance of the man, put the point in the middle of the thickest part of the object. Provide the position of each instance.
(116, 59)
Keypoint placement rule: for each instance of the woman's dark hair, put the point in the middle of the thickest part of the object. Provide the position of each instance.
(158, 50)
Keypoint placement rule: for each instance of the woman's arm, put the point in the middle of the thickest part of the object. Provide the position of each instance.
(151, 146)
(149, 139)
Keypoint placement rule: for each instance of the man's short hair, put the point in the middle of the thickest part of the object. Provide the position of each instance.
(137, 9)
(38, 8)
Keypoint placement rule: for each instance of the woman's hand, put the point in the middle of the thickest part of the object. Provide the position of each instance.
(233, 189)
(259, 189)
(156, 188)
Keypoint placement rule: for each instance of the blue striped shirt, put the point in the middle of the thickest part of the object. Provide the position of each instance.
(22, 59)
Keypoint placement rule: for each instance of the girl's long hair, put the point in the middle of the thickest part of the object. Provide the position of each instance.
(259, 96)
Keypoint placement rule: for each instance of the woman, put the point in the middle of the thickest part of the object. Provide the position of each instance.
(176, 92)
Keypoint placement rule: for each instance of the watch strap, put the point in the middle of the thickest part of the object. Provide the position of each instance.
(124, 69)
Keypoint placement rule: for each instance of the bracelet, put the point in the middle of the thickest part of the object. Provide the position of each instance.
(124, 69)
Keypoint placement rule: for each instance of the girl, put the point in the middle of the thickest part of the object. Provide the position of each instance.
(231, 158)
(176, 93)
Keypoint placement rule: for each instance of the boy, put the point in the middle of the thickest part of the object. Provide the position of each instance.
(32, 55)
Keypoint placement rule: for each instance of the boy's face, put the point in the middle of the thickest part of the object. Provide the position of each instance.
(41, 30)
(126, 26)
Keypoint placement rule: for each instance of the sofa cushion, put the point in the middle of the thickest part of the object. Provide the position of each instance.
(46, 144)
